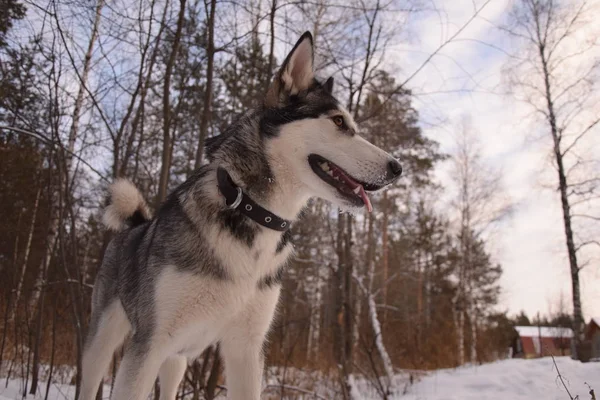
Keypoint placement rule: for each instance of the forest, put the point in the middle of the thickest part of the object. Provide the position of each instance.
(91, 91)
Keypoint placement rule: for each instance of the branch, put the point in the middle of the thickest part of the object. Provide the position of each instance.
(305, 260)
(402, 85)
(591, 392)
(561, 378)
(582, 245)
(586, 216)
(297, 389)
(44, 139)
(586, 130)
(81, 81)
(458, 32)
(567, 30)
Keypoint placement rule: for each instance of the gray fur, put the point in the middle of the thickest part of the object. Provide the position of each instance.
(177, 240)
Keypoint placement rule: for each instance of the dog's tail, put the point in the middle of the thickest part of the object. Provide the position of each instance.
(127, 207)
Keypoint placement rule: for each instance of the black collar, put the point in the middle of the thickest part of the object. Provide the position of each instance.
(235, 199)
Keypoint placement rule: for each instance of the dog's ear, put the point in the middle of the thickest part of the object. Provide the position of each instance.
(296, 74)
(329, 85)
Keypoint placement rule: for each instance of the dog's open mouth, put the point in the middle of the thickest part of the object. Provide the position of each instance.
(348, 187)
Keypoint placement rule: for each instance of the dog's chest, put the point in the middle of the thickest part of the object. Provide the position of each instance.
(268, 251)
(194, 311)
(192, 306)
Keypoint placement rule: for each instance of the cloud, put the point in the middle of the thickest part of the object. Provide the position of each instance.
(466, 79)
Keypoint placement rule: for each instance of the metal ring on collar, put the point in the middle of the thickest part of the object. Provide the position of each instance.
(238, 199)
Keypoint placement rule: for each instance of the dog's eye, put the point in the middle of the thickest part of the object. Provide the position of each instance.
(339, 121)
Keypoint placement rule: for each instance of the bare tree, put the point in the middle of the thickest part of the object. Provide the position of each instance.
(556, 73)
(210, 60)
(21, 279)
(480, 202)
(167, 146)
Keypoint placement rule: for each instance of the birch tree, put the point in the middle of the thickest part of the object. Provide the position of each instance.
(556, 73)
(479, 203)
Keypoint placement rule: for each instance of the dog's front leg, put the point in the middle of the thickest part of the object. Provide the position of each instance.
(138, 370)
(243, 370)
(242, 346)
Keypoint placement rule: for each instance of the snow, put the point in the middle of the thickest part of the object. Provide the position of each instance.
(515, 379)
(14, 391)
(544, 331)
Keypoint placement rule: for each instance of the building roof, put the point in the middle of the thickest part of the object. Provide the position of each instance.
(596, 320)
(544, 331)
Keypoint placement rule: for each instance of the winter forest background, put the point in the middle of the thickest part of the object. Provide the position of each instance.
(95, 90)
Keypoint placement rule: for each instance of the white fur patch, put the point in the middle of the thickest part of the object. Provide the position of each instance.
(125, 200)
(298, 139)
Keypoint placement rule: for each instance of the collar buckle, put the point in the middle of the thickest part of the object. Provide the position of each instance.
(237, 200)
(250, 209)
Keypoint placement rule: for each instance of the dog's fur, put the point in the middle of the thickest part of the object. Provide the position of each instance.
(199, 273)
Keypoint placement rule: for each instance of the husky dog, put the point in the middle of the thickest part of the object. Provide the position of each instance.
(207, 267)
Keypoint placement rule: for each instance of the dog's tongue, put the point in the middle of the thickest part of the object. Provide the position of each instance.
(355, 186)
(365, 198)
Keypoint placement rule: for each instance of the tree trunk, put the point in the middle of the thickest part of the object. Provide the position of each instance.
(42, 270)
(385, 358)
(370, 261)
(272, 43)
(210, 58)
(52, 353)
(215, 371)
(459, 316)
(38, 338)
(339, 307)
(26, 256)
(84, 76)
(375, 324)
(166, 150)
(428, 266)
(348, 295)
(460, 337)
(143, 85)
(566, 209)
(314, 330)
(473, 320)
(385, 256)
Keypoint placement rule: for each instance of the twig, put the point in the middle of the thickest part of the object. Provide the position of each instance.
(45, 140)
(561, 378)
(297, 389)
(591, 392)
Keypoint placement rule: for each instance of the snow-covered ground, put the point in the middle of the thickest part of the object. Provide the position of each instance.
(514, 379)
(503, 380)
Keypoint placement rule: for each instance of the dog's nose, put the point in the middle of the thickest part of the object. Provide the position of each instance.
(394, 168)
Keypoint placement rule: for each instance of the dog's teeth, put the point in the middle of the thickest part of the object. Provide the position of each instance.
(330, 173)
(357, 190)
(324, 166)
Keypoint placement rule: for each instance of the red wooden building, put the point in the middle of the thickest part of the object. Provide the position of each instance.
(541, 341)
(592, 334)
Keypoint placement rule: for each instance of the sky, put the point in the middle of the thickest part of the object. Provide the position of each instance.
(466, 81)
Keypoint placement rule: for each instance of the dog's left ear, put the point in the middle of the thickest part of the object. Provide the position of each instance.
(296, 74)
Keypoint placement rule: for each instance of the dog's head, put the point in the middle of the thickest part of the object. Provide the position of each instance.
(311, 136)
